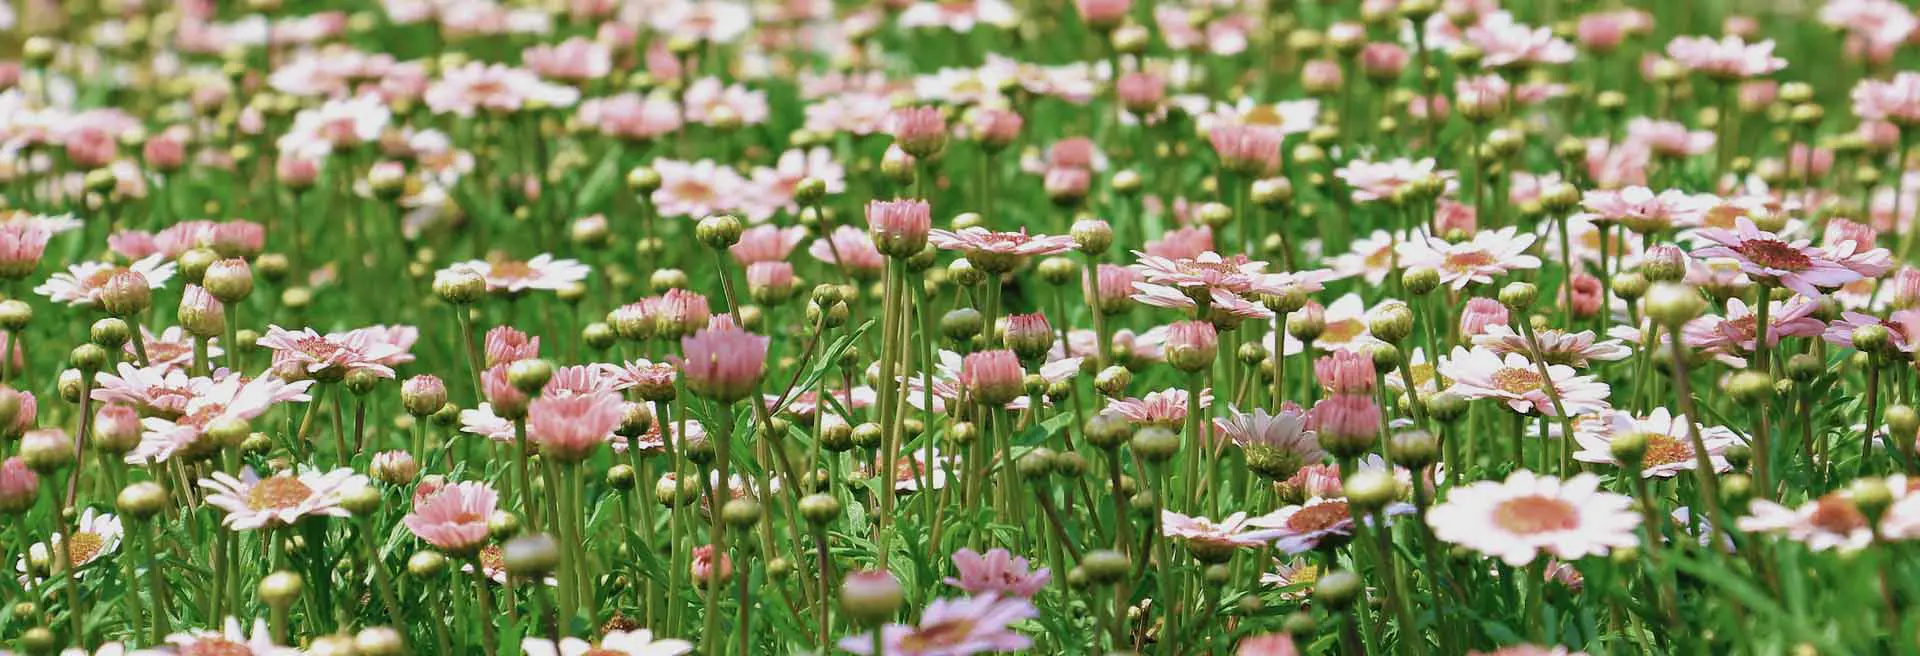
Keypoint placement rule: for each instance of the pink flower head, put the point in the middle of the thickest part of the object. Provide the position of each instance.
(1191, 345)
(1643, 211)
(1345, 416)
(1165, 408)
(852, 250)
(1103, 14)
(22, 243)
(1246, 149)
(1482, 96)
(501, 395)
(18, 486)
(996, 572)
(1507, 43)
(1345, 372)
(707, 563)
(631, 116)
(899, 227)
(1903, 290)
(1113, 287)
(999, 252)
(1450, 216)
(993, 377)
(1377, 181)
(1383, 61)
(921, 131)
(1731, 57)
(766, 243)
(1182, 243)
(1267, 644)
(1763, 255)
(329, 355)
(1139, 92)
(680, 312)
(1587, 295)
(543, 272)
(770, 282)
(571, 427)
(994, 128)
(973, 625)
(573, 60)
(723, 364)
(454, 518)
(251, 502)
(506, 345)
(1896, 101)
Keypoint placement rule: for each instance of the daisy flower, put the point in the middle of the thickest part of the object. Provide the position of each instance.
(1370, 257)
(1556, 346)
(543, 272)
(1735, 333)
(1166, 407)
(614, 643)
(1301, 528)
(996, 572)
(1526, 515)
(1515, 381)
(230, 640)
(97, 534)
(1829, 522)
(1903, 328)
(1728, 57)
(852, 250)
(999, 252)
(228, 398)
(82, 285)
(1276, 445)
(328, 355)
(1490, 253)
(1211, 538)
(172, 348)
(1643, 211)
(973, 625)
(1669, 445)
(477, 86)
(1796, 265)
(154, 389)
(695, 189)
(1377, 181)
(251, 502)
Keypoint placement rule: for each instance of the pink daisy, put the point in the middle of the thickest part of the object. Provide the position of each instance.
(251, 502)
(1515, 381)
(996, 572)
(1489, 254)
(1669, 443)
(543, 272)
(1526, 515)
(1795, 265)
(82, 285)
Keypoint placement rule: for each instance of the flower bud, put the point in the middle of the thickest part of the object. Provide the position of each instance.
(423, 395)
(459, 286)
(1338, 589)
(1092, 236)
(426, 564)
(719, 231)
(1155, 444)
(280, 589)
(819, 509)
(201, 314)
(1518, 296)
(871, 596)
(1674, 304)
(530, 555)
(140, 500)
(229, 280)
(1391, 322)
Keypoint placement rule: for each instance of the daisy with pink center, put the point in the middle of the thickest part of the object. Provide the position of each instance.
(454, 519)
(329, 355)
(1668, 138)
(708, 100)
(631, 116)
(696, 189)
(570, 427)
(83, 285)
(1236, 274)
(999, 252)
(1515, 381)
(1766, 256)
(997, 572)
(230, 398)
(230, 641)
(171, 349)
(543, 272)
(1832, 521)
(1378, 181)
(478, 86)
(1903, 329)
(1730, 57)
(852, 250)
(1508, 43)
(154, 389)
(1735, 334)
(282, 500)
(1669, 449)
(1166, 408)
(1556, 346)
(1489, 254)
(1305, 527)
(795, 165)
(957, 627)
(1276, 445)
(1214, 539)
(1527, 515)
(1643, 211)
(1896, 101)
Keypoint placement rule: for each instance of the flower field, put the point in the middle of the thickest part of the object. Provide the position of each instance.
(953, 327)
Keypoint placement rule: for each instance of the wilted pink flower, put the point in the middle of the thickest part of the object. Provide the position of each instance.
(1345, 372)
(992, 377)
(1345, 416)
(708, 563)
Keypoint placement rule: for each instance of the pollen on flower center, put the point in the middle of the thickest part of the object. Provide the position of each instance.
(1665, 450)
(1535, 514)
(511, 270)
(944, 634)
(100, 278)
(597, 651)
(278, 493)
(317, 347)
(1467, 260)
(1517, 380)
(82, 547)
(1319, 517)
(215, 647)
(1835, 514)
(1775, 254)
